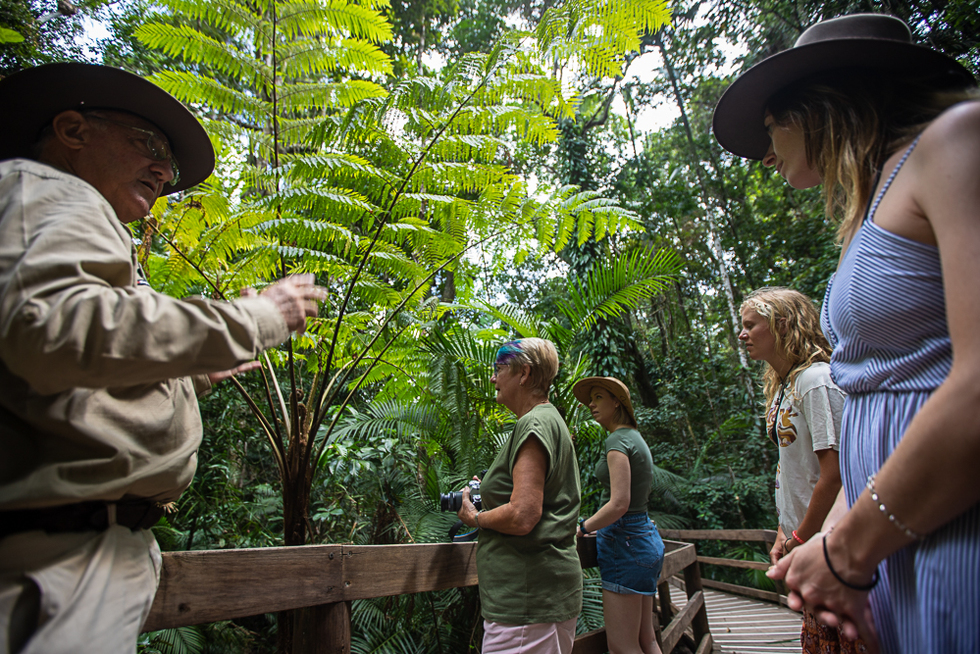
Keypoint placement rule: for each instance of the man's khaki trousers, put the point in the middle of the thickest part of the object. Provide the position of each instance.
(76, 592)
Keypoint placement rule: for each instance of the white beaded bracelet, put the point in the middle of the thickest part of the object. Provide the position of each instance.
(891, 516)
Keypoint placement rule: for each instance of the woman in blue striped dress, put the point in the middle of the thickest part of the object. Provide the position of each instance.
(896, 146)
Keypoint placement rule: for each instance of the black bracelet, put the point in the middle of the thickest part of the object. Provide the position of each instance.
(581, 527)
(861, 587)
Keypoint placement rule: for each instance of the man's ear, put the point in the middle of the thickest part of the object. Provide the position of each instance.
(71, 129)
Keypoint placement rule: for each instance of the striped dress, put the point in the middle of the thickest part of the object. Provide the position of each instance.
(885, 316)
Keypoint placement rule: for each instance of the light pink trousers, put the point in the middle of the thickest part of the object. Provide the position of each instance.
(541, 638)
(76, 593)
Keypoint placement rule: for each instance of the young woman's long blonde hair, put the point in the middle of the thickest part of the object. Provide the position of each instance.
(852, 121)
(795, 325)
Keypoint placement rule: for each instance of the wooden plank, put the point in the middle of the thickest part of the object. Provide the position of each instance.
(706, 645)
(734, 563)
(692, 584)
(207, 586)
(681, 621)
(335, 625)
(324, 629)
(748, 626)
(587, 553)
(593, 642)
(677, 560)
(782, 636)
(769, 596)
(762, 535)
(383, 570)
(663, 594)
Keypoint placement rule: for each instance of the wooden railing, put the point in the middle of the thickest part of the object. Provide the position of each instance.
(207, 586)
(767, 536)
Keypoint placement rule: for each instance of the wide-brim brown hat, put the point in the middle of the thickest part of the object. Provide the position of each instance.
(871, 41)
(30, 99)
(582, 390)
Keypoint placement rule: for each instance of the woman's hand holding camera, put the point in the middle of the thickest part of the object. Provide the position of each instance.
(468, 512)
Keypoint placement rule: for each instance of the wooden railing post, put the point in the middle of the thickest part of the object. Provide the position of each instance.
(663, 592)
(323, 629)
(692, 584)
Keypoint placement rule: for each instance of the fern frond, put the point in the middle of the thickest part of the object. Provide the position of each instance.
(611, 290)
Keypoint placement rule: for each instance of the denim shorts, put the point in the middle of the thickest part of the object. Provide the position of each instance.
(631, 555)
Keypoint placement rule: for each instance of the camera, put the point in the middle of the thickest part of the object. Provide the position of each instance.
(454, 501)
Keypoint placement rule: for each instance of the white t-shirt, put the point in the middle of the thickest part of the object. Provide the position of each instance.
(809, 419)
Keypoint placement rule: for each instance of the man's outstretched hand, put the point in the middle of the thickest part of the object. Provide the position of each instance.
(216, 377)
(295, 296)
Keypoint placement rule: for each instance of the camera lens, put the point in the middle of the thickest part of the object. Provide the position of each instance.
(451, 501)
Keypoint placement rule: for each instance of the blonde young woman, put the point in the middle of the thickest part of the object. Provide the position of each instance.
(630, 551)
(530, 574)
(892, 131)
(803, 414)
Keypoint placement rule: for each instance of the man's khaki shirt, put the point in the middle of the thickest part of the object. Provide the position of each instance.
(99, 375)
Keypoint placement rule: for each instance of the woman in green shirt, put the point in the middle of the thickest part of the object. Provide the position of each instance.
(529, 570)
(630, 551)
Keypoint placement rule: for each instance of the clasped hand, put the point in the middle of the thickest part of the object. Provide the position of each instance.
(813, 586)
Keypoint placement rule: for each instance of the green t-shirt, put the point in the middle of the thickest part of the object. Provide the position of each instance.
(629, 442)
(538, 577)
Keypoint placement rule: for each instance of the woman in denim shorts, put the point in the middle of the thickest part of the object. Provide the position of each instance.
(630, 550)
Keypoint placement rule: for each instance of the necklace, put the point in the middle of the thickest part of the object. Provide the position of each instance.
(779, 403)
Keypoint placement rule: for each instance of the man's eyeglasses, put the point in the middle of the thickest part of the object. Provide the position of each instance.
(155, 145)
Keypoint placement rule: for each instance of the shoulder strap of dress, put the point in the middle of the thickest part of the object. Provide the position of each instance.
(888, 182)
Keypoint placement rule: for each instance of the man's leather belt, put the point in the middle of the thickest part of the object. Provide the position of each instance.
(84, 516)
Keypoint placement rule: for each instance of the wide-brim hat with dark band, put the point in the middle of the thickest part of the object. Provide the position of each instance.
(870, 41)
(582, 390)
(30, 99)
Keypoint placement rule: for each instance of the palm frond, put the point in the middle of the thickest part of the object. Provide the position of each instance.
(609, 291)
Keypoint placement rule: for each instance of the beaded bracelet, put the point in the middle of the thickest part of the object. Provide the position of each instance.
(891, 516)
(862, 587)
(797, 538)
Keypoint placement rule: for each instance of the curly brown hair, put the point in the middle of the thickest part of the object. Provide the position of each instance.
(795, 325)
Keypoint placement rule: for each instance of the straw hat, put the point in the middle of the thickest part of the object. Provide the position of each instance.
(582, 390)
(872, 41)
(30, 99)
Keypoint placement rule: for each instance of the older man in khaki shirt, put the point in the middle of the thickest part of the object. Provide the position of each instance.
(99, 375)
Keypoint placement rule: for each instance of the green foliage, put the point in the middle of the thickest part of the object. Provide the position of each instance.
(10, 36)
(502, 182)
(374, 191)
(215, 638)
(35, 32)
(595, 33)
(609, 292)
(182, 640)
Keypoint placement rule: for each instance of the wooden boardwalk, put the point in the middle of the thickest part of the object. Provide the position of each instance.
(748, 626)
(740, 625)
